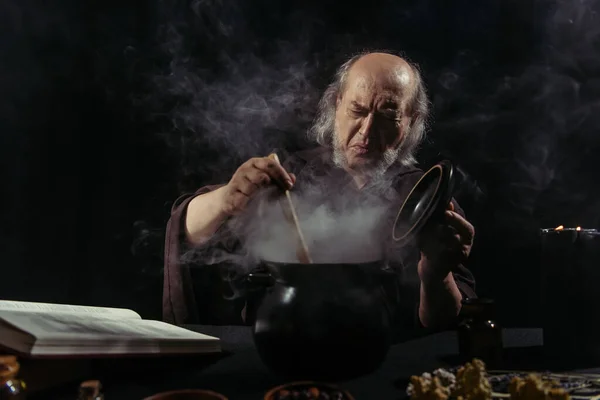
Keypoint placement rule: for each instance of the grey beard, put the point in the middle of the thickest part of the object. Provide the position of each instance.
(375, 172)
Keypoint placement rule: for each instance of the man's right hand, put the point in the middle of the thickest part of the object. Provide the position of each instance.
(251, 176)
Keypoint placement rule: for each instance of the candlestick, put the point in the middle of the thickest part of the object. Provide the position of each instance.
(570, 291)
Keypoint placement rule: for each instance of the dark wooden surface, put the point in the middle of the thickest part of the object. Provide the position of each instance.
(239, 374)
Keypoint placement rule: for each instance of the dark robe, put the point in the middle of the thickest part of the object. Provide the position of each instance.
(196, 293)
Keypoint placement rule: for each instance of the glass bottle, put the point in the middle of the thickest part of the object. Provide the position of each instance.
(479, 335)
(90, 390)
(10, 386)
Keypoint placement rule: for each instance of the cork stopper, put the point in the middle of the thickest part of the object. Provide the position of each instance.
(90, 390)
(8, 359)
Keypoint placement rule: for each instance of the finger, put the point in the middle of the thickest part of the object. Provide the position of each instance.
(443, 242)
(462, 226)
(293, 178)
(246, 186)
(451, 206)
(258, 178)
(440, 231)
(454, 241)
(447, 231)
(275, 171)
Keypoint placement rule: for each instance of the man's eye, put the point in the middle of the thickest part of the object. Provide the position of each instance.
(355, 111)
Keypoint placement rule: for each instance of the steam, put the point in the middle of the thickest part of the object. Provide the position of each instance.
(245, 105)
(234, 112)
(566, 122)
(533, 128)
(343, 229)
(349, 234)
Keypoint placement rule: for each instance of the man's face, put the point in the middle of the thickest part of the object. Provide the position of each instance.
(370, 120)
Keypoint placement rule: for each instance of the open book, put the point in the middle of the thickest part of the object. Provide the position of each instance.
(49, 330)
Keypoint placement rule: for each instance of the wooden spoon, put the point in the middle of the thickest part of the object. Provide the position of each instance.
(290, 214)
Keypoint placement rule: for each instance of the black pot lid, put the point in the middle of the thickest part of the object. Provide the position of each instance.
(428, 199)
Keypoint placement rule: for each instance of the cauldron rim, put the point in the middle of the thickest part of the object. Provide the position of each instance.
(294, 273)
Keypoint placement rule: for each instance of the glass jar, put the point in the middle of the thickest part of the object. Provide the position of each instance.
(479, 335)
(10, 386)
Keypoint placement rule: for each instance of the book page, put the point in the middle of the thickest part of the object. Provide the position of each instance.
(101, 312)
(73, 329)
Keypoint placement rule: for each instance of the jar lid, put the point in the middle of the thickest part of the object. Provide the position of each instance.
(428, 198)
(90, 389)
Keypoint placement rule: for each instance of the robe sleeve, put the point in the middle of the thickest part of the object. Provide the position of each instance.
(193, 292)
(179, 304)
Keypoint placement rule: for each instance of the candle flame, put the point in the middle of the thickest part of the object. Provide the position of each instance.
(578, 228)
(558, 228)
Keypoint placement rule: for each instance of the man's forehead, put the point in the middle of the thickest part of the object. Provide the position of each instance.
(362, 90)
(387, 80)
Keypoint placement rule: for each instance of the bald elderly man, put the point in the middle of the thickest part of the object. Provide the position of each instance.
(370, 122)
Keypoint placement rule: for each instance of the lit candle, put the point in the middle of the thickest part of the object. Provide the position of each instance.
(570, 293)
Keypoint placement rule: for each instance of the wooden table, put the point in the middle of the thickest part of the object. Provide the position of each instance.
(241, 375)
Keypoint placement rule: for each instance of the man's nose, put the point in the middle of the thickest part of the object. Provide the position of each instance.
(367, 126)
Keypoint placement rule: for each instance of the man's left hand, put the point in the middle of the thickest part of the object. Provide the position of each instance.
(445, 246)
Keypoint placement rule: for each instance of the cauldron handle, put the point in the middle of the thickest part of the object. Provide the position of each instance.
(259, 280)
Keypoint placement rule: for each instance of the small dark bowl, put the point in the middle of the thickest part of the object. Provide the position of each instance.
(427, 201)
(305, 385)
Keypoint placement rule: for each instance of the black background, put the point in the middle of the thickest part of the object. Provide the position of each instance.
(109, 110)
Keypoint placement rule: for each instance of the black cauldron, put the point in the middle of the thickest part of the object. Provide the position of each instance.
(322, 321)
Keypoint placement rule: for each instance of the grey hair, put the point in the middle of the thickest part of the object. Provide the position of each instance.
(323, 128)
